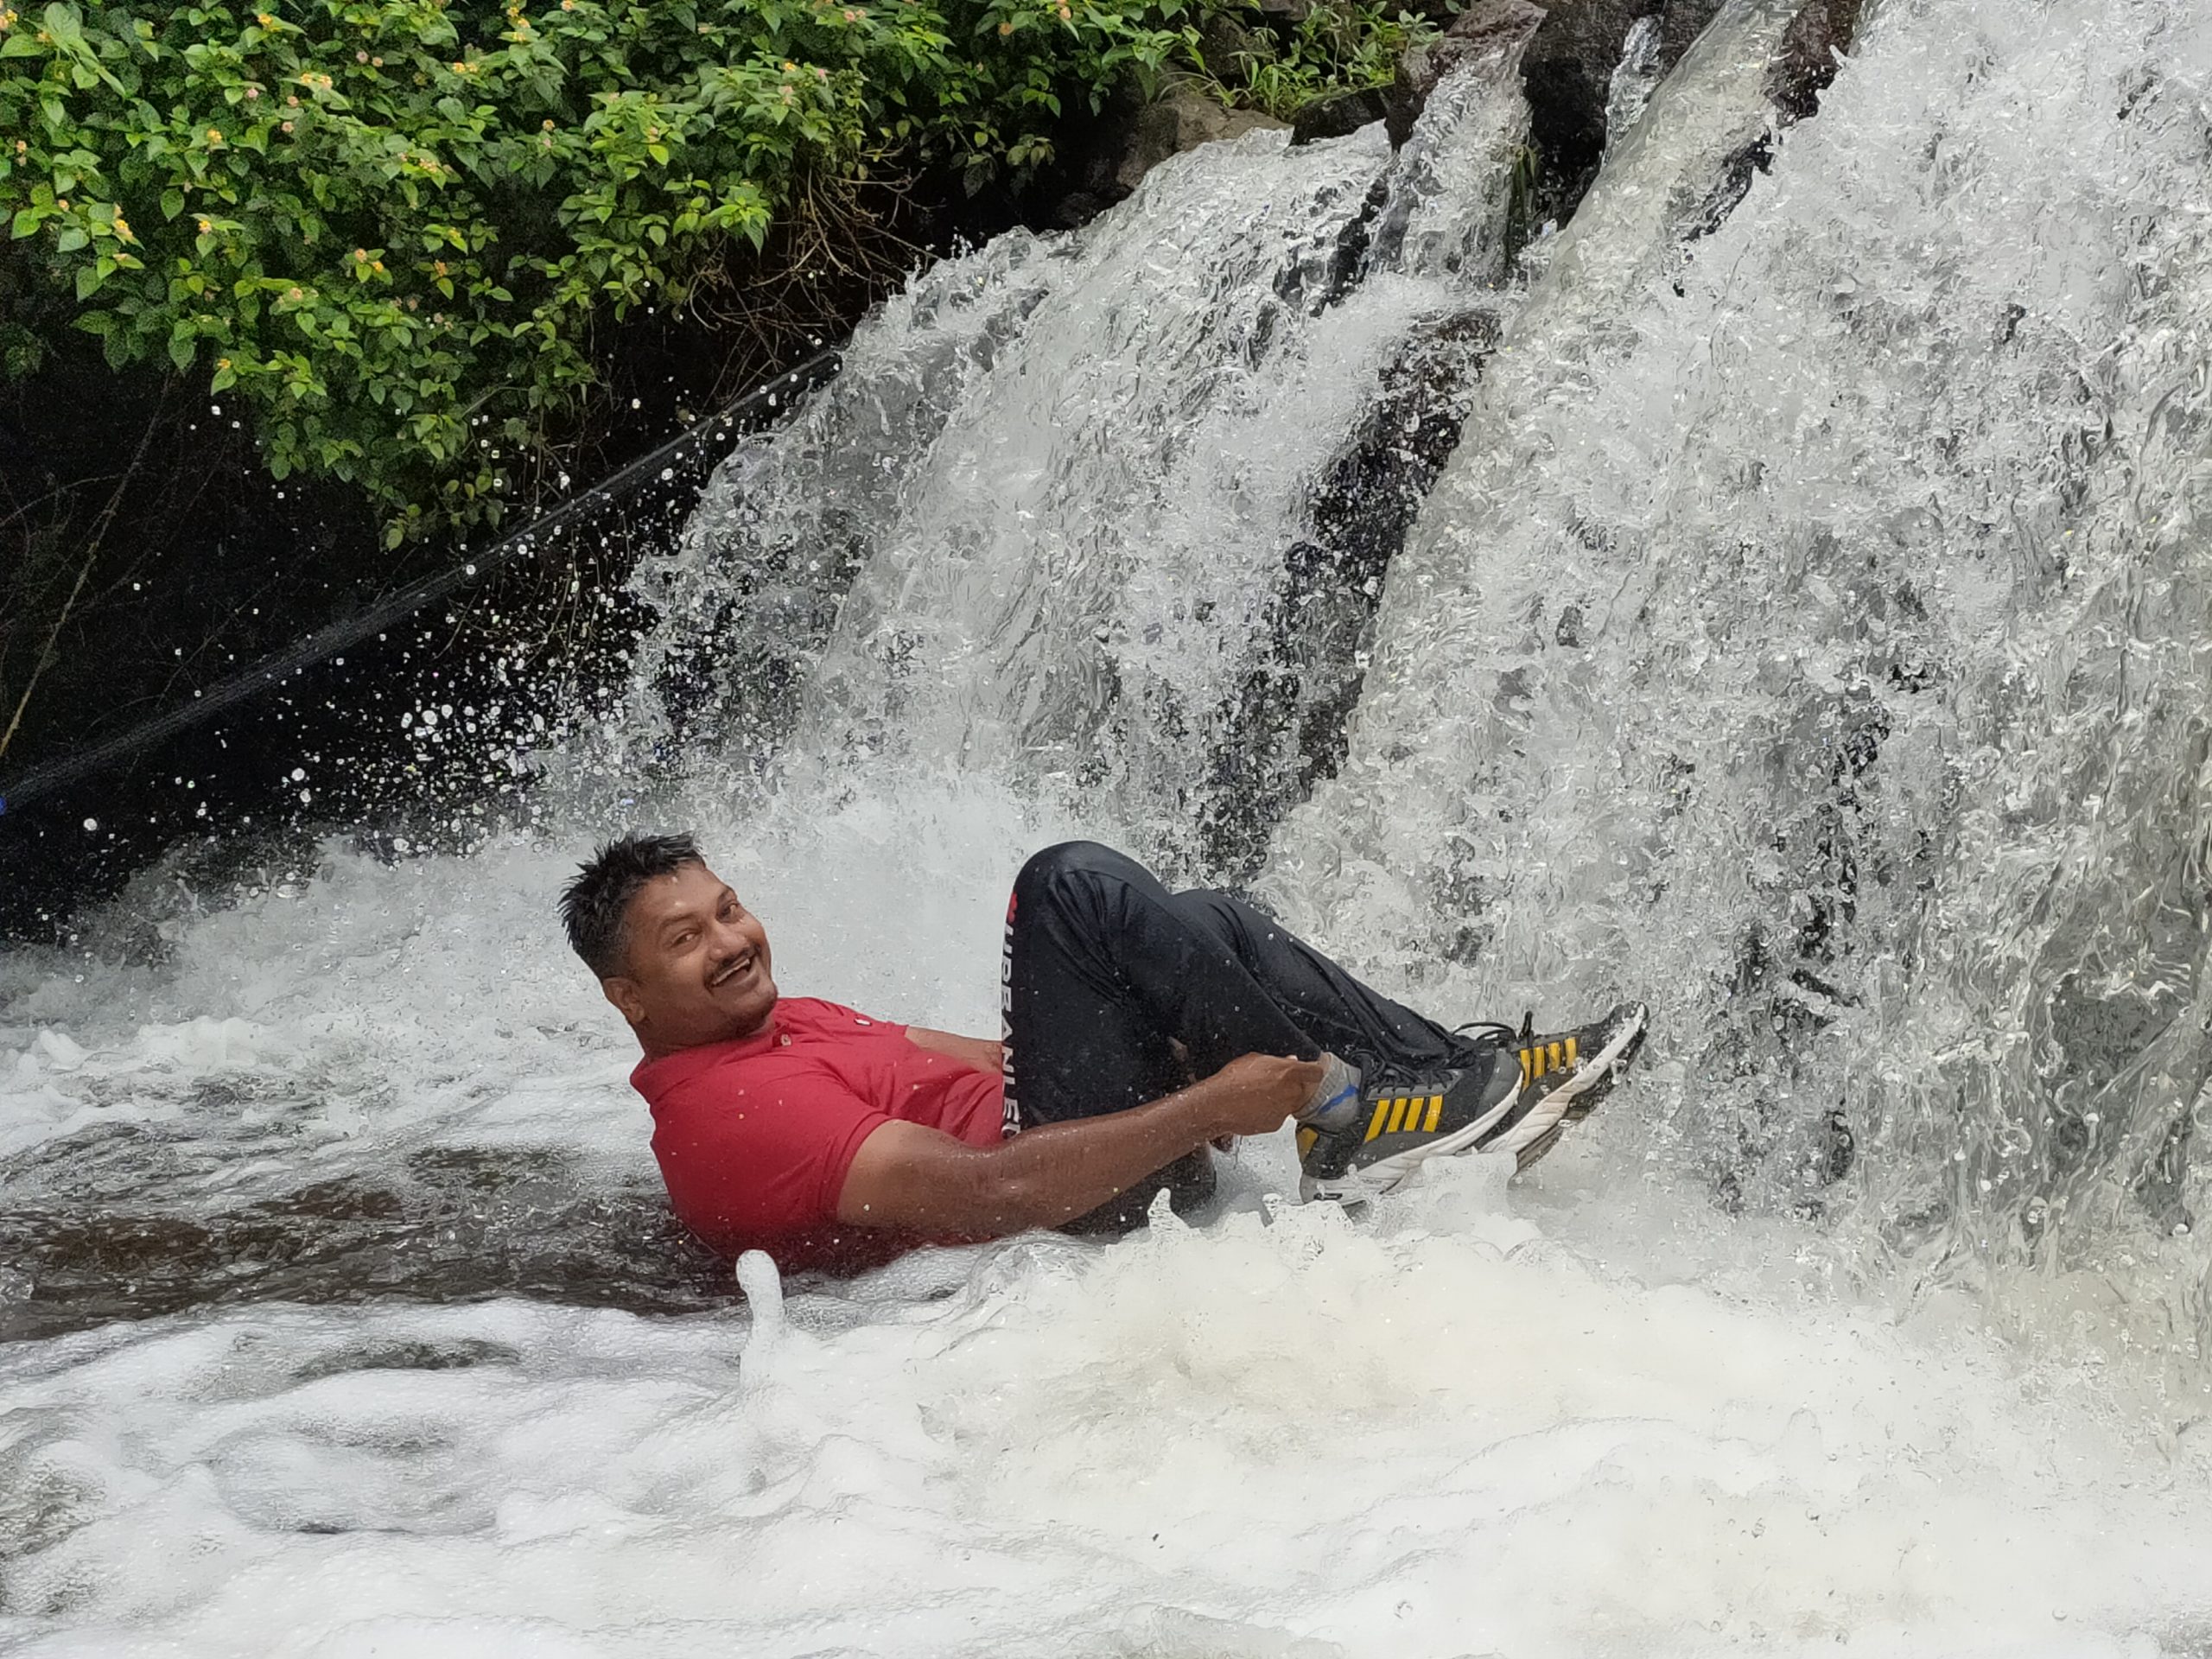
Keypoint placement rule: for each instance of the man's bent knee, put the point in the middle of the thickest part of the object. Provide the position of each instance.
(1077, 858)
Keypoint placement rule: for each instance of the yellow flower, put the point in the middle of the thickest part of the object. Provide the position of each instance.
(206, 229)
(214, 137)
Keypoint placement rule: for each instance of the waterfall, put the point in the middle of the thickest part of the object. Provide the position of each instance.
(1742, 656)
(1074, 491)
(1811, 636)
(1781, 593)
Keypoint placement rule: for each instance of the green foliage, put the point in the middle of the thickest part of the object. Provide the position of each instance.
(385, 225)
(1338, 45)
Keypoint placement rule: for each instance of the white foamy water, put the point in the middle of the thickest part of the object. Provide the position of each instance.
(1582, 1415)
(1869, 751)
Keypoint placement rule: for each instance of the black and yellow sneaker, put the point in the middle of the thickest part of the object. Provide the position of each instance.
(1532, 1087)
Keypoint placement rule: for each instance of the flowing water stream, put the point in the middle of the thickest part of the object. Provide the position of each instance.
(1777, 594)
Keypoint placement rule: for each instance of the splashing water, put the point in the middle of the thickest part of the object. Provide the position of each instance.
(1807, 633)
(1825, 652)
(1076, 476)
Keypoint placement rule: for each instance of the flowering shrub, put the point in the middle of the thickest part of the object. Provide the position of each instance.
(387, 224)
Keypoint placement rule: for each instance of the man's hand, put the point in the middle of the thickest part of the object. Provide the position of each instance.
(1253, 1093)
(912, 1176)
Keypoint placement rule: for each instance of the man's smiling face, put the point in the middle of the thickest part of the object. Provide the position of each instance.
(695, 963)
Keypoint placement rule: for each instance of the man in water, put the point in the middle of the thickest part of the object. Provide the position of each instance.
(1138, 1026)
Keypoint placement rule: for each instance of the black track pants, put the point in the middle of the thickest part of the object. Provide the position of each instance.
(1106, 970)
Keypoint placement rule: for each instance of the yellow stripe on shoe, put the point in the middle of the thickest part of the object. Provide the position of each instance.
(1374, 1123)
(1435, 1111)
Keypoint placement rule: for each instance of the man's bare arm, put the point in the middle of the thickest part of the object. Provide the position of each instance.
(912, 1176)
(980, 1052)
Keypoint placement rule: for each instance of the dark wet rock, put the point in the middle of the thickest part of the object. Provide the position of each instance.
(457, 1224)
(1338, 114)
(1486, 26)
(1568, 72)
(1074, 210)
(1807, 61)
(1679, 24)
(1289, 715)
(1184, 115)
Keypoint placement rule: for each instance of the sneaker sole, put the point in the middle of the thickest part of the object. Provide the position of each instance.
(1528, 1139)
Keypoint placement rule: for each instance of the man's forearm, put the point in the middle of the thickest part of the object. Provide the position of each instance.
(1045, 1176)
(913, 1176)
(1041, 1178)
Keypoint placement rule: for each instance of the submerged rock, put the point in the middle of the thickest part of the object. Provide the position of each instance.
(1339, 115)
(1806, 64)
(1487, 25)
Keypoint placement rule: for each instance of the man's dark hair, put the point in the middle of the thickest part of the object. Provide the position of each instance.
(595, 904)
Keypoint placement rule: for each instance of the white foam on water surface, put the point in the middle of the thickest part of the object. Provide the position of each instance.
(1451, 1428)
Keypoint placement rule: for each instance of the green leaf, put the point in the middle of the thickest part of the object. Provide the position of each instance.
(62, 22)
(180, 350)
(172, 202)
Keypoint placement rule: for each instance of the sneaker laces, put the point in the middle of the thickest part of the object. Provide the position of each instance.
(1491, 1034)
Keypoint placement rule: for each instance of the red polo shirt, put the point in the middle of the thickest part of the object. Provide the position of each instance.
(754, 1136)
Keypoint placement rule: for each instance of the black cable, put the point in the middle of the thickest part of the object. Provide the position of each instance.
(17, 792)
